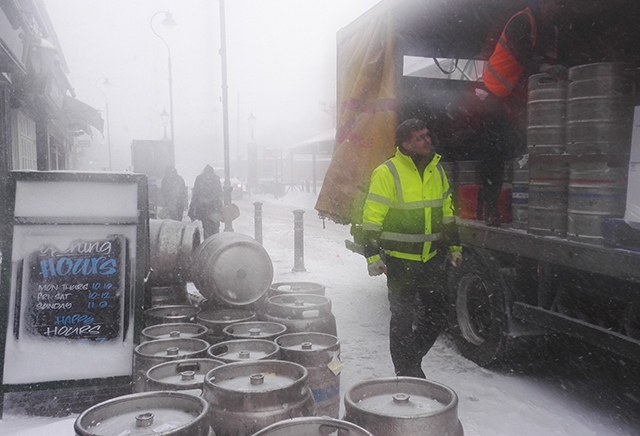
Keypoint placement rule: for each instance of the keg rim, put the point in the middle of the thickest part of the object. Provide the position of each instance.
(203, 409)
(450, 406)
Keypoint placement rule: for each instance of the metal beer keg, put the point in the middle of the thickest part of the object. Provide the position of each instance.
(149, 413)
(245, 397)
(217, 320)
(320, 354)
(301, 313)
(152, 353)
(401, 406)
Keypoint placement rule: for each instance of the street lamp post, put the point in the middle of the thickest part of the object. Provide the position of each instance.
(252, 156)
(164, 116)
(106, 82)
(228, 225)
(169, 22)
(252, 123)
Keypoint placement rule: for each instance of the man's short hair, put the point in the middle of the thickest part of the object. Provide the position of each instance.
(404, 130)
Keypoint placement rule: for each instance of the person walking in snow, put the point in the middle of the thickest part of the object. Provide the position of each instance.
(410, 231)
(174, 194)
(206, 202)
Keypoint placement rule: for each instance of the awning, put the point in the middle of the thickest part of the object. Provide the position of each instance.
(319, 144)
(81, 116)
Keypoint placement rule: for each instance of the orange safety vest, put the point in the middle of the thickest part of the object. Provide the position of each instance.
(503, 71)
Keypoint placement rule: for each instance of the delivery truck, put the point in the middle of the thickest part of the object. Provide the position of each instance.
(566, 258)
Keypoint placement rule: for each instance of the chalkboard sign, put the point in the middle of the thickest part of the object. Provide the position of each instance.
(76, 292)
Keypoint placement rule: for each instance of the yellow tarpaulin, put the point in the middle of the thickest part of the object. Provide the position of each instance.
(367, 118)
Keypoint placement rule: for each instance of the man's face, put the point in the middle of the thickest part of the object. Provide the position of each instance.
(419, 144)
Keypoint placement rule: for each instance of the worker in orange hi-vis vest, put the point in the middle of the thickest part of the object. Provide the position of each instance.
(528, 45)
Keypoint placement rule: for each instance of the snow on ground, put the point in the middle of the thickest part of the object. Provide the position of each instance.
(575, 395)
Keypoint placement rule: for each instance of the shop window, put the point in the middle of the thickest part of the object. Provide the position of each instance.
(24, 142)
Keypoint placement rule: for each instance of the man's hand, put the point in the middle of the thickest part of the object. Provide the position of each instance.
(455, 258)
(376, 266)
(556, 72)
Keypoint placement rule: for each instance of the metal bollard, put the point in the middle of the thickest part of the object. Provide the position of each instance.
(257, 219)
(298, 245)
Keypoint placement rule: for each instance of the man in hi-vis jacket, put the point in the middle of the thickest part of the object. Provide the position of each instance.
(410, 233)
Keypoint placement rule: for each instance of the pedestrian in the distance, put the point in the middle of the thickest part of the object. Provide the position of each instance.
(206, 201)
(174, 194)
(410, 233)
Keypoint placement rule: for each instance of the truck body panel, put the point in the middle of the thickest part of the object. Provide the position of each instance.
(513, 283)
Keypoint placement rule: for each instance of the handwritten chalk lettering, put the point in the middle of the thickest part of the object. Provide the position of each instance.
(72, 331)
(65, 266)
(74, 319)
(54, 306)
(80, 247)
(76, 287)
(47, 287)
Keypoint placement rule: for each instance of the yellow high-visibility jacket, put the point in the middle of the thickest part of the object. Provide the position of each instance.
(409, 216)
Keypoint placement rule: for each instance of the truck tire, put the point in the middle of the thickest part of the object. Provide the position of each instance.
(477, 315)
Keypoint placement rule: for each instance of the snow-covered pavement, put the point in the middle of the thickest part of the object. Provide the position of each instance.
(576, 394)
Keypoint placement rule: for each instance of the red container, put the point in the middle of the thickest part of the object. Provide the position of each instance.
(468, 202)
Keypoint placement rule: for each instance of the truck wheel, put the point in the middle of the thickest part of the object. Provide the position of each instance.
(477, 318)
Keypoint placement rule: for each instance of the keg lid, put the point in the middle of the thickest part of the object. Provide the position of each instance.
(225, 316)
(254, 330)
(181, 374)
(258, 376)
(172, 313)
(307, 341)
(149, 413)
(173, 330)
(296, 288)
(244, 350)
(401, 397)
(175, 347)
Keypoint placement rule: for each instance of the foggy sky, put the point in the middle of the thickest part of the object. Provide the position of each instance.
(281, 66)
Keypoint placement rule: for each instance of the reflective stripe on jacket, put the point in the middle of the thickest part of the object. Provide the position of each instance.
(503, 71)
(409, 211)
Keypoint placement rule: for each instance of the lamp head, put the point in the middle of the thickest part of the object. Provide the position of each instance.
(168, 20)
(164, 116)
